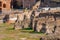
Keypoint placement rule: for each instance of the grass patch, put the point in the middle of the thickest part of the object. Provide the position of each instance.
(10, 34)
(10, 28)
(30, 30)
(33, 32)
(3, 25)
(27, 29)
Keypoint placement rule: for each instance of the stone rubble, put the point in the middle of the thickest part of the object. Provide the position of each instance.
(40, 22)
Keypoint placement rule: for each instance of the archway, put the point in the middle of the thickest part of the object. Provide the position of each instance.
(4, 5)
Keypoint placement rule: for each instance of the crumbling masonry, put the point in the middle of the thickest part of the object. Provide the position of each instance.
(43, 22)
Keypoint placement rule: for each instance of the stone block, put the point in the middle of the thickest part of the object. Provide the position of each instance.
(50, 27)
(18, 25)
(26, 23)
(40, 26)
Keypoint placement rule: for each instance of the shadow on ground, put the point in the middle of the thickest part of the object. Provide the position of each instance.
(30, 30)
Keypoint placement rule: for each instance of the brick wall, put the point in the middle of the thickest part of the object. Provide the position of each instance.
(5, 5)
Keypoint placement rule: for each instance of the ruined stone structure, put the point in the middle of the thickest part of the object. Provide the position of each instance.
(5, 5)
(19, 22)
(39, 22)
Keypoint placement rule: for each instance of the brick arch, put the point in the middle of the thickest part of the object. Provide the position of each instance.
(4, 5)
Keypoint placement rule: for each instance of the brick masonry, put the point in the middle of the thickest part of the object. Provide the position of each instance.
(5, 5)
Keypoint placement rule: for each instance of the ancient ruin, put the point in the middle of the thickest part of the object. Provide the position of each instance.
(39, 19)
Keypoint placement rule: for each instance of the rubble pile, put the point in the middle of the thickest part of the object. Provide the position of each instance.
(40, 22)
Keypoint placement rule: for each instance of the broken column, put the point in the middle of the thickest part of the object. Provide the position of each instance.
(41, 26)
(26, 23)
(19, 22)
(34, 18)
(27, 19)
